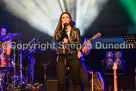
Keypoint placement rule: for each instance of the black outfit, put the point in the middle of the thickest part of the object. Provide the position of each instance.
(73, 41)
(83, 72)
(70, 55)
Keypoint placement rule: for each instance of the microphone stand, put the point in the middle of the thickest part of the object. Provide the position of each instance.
(14, 69)
(65, 60)
(20, 69)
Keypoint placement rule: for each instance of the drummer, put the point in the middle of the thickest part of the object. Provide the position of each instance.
(5, 48)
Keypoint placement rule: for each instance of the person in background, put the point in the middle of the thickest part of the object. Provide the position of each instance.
(83, 71)
(5, 47)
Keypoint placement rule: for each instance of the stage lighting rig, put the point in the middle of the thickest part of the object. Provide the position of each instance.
(111, 57)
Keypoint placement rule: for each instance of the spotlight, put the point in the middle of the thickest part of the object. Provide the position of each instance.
(111, 57)
(118, 61)
(43, 14)
(117, 54)
(109, 62)
(109, 54)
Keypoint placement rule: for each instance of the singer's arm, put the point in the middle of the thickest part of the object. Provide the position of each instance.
(59, 36)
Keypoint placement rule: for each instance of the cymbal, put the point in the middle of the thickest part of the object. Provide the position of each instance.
(10, 36)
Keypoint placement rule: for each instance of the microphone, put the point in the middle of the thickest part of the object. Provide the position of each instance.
(65, 24)
(64, 32)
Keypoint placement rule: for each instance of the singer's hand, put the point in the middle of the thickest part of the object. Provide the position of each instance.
(64, 24)
(65, 40)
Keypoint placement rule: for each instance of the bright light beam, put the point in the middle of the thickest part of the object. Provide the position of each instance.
(87, 12)
(44, 14)
(44, 20)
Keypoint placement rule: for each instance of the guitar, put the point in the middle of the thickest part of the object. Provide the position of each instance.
(115, 76)
(94, 37)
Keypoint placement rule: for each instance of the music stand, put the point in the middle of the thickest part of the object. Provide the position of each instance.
(44, 58)
(131, 40)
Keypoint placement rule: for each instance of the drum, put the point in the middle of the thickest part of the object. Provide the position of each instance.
(6, 63)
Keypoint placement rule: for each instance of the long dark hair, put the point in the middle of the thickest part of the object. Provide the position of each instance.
(59, 26)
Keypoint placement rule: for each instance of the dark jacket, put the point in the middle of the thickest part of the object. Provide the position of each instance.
(73, 41)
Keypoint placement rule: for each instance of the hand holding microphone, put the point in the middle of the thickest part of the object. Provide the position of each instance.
(65, 40)
(64, 24)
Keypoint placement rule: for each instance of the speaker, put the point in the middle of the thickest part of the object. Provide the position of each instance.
(52, 85)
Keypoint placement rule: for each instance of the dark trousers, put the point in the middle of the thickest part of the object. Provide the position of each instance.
(74, 65)
(83, 78)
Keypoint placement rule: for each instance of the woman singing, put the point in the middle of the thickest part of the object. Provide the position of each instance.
(69, 39)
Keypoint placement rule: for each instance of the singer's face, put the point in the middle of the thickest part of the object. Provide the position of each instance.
(65, 19)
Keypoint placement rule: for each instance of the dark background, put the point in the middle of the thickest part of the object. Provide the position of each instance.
(112, 22)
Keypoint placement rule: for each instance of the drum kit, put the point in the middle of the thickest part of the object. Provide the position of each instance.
(9, 78)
